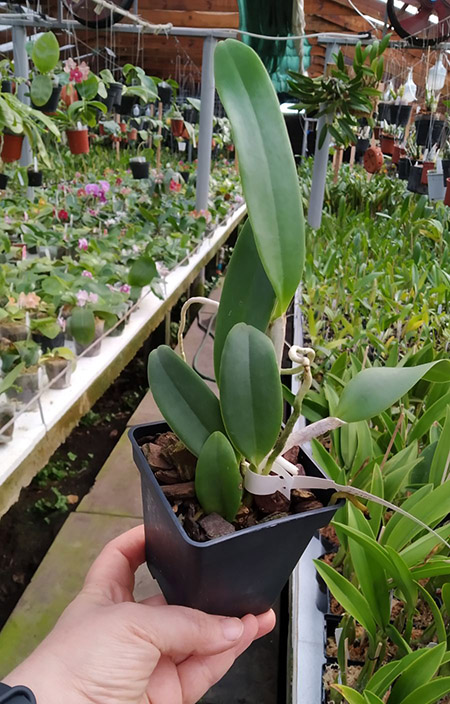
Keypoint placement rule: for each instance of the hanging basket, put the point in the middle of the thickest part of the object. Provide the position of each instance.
(373, 160)
(429, 130)
(404, 167)
(78, 141)
(12, 147)
(34, 178)
(177, 127)
(387, 144)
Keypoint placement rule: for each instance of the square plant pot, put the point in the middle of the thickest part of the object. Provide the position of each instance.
(240, 573)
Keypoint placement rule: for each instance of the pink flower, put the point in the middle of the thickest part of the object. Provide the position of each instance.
(87, 274)
(125, 288)
(63, 215)
(92, 211)
(84, 297)
(69, 65)
(76, 75)
(24, 251)
(25, 217)
(174, 186)
(104, 186)
(83, 243)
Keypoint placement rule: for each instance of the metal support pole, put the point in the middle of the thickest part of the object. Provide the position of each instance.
(319, 177)
(206, 124)
(19, 37)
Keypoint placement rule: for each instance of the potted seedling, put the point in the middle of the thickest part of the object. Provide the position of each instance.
(13, 324)
(242, 512)
(138, 88)
(7, 408)
(140, 167)
(430, 130)
(176, 120)
(26, 385)
(81, 114)
(45, 89)
(164, 93)
(59, 364)
(110, 92)
(34, 175)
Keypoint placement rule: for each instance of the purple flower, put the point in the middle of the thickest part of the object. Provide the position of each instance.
(125, 288)
(87, 274)
(104, 186)
(83, 243)
(84, 297)
(93, 189)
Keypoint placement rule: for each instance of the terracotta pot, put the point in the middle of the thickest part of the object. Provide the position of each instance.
(185, 134)
(177, 127)
(387, 144)
(12, 147)
(397, 154)
(101, 130)
(78, 141)
(427, 165)
(69, 94)
(447, 193)
(123, 127)
(373, 160)
(133, 135)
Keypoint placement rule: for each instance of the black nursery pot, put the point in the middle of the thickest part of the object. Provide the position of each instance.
(362, 146)
(429, 130)
(3, 181)
(415, 184)
(114, 97)
(52, 103)
(403, 168)
(238, 574)
(140, 169)
(127, 104)
(446, 169)
(7, 87)
(165, 93)
(47, 343)
(384, 112)
(399, 115)
(34, 178)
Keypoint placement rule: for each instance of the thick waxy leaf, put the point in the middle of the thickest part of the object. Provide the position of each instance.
(351, 695)
(380, 682)
(372, 698)
(247, 296)
(419, 549)
(430, 692)
(266, 163)
(438, 621)
(45, 52)
(250, 392)
(441, 458)
(218, 481)
(373, 390)
(417, 674)
(445, 592)
(142, 272)
(433, 413)
(40, 89)
(186, 402)
(82, 325)
(348, 596)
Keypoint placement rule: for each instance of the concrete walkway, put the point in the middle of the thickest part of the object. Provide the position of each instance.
(113, 506)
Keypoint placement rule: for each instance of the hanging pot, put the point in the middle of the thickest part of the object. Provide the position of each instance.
(133, 135)
(51, 106)
(447, 192)
(140, 169)
(34, 178)
(398, 153)
(123, 127)
(387, 144)
(429, 130)
(3, 181)
(78, 141)
(384, 112)
(436, 187)
(403, 167)
(240, 573)
(427, 165)
(69, 94)
(165, 93)
(415, 184)
(127, 104)
(12, 147)
(400, 115)
(114, 97)
(362, 146)
(373, 160)
(446, 168)
(177, 127)
(7, 86)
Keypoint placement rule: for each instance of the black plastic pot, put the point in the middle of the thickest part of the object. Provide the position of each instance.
(165, 93)
(3, 181)
(362, 145)
(140, 169)
(52, 103)
(127, 104)
(384, 112)
(403, 167)
(238, 574)
(7, 87)
(415, 184)
(34, 178)
(429, 130)
(399, 115)
(114, 97)
(446, 168)
(47, 343)
(185, 175)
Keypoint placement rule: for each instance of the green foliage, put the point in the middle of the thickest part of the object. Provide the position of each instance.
(218, 481)
(82, 325)
(45, 53)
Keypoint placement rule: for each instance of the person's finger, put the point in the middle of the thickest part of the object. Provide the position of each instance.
(164, 685)
(200, 672)
(266, 623)
(112, 575)
(178, 631)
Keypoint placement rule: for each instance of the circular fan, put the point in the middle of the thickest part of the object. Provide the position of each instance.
(418, 28)
(90, 14)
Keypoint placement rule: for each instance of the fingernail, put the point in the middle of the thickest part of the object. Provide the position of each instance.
(232, 628)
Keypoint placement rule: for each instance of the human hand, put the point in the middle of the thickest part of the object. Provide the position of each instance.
(107, 649)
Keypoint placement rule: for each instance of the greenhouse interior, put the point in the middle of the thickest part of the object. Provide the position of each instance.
(224, 352)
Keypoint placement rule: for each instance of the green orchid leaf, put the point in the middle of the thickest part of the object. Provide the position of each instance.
(8, 381)
(40, 90)
(373, 390)
(45, 53)
(250, 392)
(189, 406)
(372, 698)
(348, 596)
(351, 695)
(380, 682)
(433, 413)
(82, 325)
(88, 89)
(247, 295)
(218, 481)
(429, 693)
(438, 621)
(432, 568)
(445, 593)
(418, 550)
(403, 579)
(325, 460)
(376, 510)
(267, 166)
(142, 272)
(439, 470)
(417, 674)
(403, 648)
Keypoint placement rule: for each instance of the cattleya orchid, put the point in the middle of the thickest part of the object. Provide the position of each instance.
(77, 73)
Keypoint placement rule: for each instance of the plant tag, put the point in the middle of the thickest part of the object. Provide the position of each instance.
(20, 177)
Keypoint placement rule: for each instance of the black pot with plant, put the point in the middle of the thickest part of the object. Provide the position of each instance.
(51, 105)
(140, 168)
(404, 167)
(399, 115)
(165, 93)
(415, 184)
(3, 181)
(34, 178)
(429, 130)
(114, 98)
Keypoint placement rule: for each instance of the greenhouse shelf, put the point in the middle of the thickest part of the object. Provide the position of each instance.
(33, 442)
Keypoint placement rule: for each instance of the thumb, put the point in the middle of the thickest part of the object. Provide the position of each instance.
(177, 630)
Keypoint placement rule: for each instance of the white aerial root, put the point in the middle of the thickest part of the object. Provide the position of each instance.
(195, 299)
